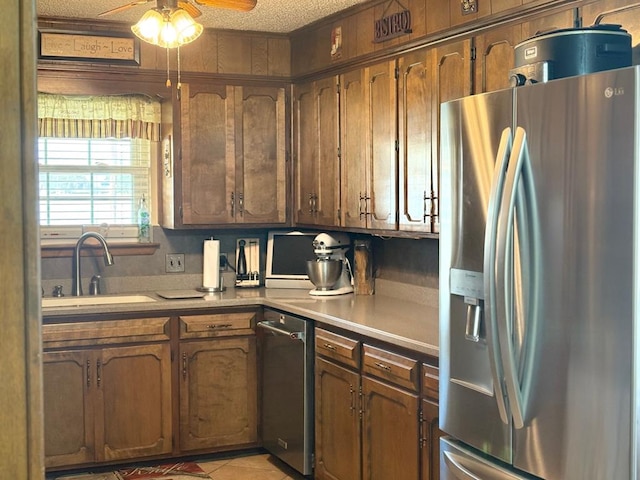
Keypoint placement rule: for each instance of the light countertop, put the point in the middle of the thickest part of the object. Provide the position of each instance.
(399, 322)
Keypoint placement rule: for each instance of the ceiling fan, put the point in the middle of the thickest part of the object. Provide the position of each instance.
(188, 6)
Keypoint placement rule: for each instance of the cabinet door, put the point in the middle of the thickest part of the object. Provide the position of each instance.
(353, 134)
(430, 441)
(381, 151)
(261, 155)
(328, 174)
(390, 432)
(208, 154)
(305, 153)
(134, 402)
(495, 57)
(452, 80)
(218, 393)
(417, 165)
(68, 380)
(337, 422)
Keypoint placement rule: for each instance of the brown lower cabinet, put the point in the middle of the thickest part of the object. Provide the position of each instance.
(374, 417)
(109, 387)
(105, 402)
(338, 422)
(217, 408)
(218, 381)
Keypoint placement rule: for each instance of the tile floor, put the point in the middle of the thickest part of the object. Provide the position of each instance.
(252, 467)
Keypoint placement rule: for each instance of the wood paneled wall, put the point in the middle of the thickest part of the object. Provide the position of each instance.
(216, 52)
(433, 21)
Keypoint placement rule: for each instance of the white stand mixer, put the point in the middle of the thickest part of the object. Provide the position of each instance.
(331, 247)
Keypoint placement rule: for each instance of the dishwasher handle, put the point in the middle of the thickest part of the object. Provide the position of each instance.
(279, 331)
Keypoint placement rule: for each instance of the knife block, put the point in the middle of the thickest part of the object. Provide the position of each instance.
(247, 262)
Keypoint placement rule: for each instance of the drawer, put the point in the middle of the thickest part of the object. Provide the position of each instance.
(397, 369)
(105, 332)
(336, 347)
(217, 324)
(430, 382)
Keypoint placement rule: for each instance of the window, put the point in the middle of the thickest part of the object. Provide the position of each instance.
(94, 156)
(92, 180)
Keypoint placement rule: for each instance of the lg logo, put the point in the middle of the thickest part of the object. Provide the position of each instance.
(613, 92)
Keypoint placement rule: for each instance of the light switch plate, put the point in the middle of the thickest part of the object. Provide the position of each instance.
(174, 262)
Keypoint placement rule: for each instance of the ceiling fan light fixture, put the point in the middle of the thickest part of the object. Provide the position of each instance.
(169, 28)
(186, 28)
(149, 26)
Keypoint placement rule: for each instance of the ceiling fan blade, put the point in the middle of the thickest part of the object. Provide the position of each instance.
(243, 5)
(190, 8)
(122, 8)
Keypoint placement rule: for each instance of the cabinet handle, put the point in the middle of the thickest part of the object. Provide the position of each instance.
(423, 440)
(382, 366)
(311, 203)
(98, 373)
(352, 407)
(184, 366)
(88, 373)
(241, 203)
(315, 203)
(233, 204)
(360, 205)
(220, 325)
(425, 198)
(328, 346)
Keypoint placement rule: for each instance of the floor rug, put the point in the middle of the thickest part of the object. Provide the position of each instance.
(173, 471)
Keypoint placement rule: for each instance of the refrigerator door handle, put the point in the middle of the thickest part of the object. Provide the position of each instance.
(454, 463)
(490, 294)
(518, 205)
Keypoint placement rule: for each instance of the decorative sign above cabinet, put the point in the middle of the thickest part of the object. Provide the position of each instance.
(107, 47)
(392, 26)
(468, 6)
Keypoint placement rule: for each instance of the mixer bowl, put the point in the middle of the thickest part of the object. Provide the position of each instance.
(324, 273)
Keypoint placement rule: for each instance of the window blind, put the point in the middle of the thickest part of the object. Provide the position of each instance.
(92, 181)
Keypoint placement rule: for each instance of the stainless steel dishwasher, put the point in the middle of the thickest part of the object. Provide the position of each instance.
(286, 347)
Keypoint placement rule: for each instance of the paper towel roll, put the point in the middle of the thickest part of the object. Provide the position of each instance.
(211, 264)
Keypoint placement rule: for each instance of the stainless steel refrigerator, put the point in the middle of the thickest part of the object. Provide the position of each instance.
(539, 281)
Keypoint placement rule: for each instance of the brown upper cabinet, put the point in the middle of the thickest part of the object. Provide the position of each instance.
(230, 157)
(315, 146)
(368, 147)
(418, 167)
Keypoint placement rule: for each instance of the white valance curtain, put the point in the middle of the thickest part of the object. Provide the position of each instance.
(130, 116)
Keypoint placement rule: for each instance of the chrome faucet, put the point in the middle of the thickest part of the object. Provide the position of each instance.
(76, 285)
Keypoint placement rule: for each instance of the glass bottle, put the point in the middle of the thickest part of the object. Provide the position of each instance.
(144, 222)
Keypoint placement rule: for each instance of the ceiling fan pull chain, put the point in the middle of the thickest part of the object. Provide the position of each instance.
(168, 78)
(179, 84)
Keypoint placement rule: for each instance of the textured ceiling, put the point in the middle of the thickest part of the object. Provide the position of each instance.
(278, 16)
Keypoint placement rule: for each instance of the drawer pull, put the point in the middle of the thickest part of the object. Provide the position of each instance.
(382, 366)
(220, 325)
(328, 346)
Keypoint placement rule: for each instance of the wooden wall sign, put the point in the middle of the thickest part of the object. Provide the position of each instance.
(392, 26)
(108, 47)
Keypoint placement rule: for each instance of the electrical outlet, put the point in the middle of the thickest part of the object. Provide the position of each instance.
(174, 262)
(224, 262)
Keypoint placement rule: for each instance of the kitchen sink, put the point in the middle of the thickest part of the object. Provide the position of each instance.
(89, 300)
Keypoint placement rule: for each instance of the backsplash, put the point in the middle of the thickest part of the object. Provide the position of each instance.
(397, 262)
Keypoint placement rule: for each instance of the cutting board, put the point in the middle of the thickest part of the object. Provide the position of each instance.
(180, 294)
